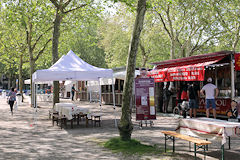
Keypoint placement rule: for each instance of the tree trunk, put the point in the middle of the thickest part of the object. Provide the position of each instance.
(32, 63)
(144, 54)
(172, 54)
(125, 127)
(20, 76)
(56, 34)
(184, 52)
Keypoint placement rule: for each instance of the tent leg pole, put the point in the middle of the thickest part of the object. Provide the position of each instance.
(232, 78)
(114, 104)
(100, 94)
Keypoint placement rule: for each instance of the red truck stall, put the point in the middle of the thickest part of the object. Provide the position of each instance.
(218, 65)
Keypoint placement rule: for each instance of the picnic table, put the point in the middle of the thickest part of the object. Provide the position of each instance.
(210, 129)
(69, 110)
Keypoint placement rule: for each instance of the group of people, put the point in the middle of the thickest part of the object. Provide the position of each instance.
(191, 92)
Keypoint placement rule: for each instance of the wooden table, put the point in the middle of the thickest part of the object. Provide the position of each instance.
(209, 128)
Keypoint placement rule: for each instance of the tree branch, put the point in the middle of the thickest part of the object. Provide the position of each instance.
(41, 51)
(82, 5)
(236, 38)
(164, 24)
(197, 47)
(55, 3)
(169, 20)
(34, 45)
(66, 4)
(220, 18)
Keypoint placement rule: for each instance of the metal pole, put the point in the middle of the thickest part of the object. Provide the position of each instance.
(173, 144)
(100, 94)
(165, 143)
(223, 152)
(35, 103)
(229, 142)
(34, 95)
(204, 147)
(195, 151)
(232, 78)
(207, 145)
(189, 146)
(114, 103)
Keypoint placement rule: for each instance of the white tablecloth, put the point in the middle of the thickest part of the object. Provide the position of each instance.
(209, 128)
(58, 106)
(44, 97)
(70, 109)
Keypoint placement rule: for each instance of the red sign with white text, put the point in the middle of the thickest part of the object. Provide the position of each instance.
(222, 105)
(179, 74)
(237, 61)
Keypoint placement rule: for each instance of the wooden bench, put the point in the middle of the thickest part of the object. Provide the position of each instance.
(52, 112)
(97, 119)
(198, 143)
(54, 116)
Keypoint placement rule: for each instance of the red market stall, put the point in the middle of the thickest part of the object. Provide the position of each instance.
(218, 65)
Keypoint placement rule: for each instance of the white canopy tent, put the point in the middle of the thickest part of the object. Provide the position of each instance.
(71, 67)
(28, 81)
(93, 86)
(109, 81)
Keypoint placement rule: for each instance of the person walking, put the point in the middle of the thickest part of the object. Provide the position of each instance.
(73, 91)
(211, 92)
(11, 99)
(193, 94)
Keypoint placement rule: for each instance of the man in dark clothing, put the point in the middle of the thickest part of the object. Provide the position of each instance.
(166, 97)
(73, 91)
(194, 95)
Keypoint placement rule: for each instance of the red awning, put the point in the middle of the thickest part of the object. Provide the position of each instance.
(185, 69)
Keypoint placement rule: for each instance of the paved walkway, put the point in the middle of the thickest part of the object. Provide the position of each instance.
(22, 138)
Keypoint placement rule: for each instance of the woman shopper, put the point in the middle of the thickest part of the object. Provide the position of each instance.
(11, 99)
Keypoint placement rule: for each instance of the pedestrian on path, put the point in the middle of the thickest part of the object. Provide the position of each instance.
(11, 99)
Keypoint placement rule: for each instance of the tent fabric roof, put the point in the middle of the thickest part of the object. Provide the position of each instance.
(108, 81)
(71, 67)
(192, 59)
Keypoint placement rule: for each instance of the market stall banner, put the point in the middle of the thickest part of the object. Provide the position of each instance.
(179, 74)
(195, 72)
(237, 61)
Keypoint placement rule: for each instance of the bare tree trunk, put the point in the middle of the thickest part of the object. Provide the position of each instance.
(184, 52)
(32, 63)
(56, 35)
(125, 127)
(20, 76)
(172, 54)
(144, 54)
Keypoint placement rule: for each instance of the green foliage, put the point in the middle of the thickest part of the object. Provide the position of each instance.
(115, 33)
(80, 33)
(129, 3)
(130, 147)
(102, 39)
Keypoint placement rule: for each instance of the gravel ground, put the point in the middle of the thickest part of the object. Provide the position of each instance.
(23, 138)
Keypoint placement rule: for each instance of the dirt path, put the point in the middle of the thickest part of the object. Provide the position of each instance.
(20, 138)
